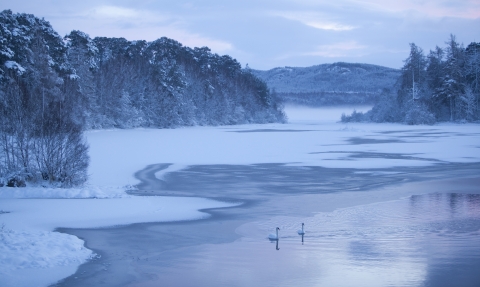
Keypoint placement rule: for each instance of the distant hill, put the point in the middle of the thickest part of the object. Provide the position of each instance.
(330, 84)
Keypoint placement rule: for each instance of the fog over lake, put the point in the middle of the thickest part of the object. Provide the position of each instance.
(299, 114)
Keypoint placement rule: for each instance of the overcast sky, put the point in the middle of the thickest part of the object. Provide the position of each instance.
(267, 34)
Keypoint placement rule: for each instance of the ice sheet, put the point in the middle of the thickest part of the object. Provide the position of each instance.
(117, 154)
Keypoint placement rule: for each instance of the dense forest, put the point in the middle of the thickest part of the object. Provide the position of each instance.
(330, 84)
(52, 88)
(438, 87)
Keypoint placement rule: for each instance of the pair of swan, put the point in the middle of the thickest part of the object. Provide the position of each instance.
(273, 237)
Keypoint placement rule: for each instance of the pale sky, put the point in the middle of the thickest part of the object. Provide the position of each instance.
(267, 34)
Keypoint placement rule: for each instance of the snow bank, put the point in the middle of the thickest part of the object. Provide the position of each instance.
(27, 258)
(48, 214)
(28, 244)
(40, 249)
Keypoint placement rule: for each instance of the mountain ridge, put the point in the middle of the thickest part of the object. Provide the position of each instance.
(330, 84)
(320, 77)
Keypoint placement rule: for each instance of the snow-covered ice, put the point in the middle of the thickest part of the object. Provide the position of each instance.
(29, 247)
(308, 141)
(27, 241)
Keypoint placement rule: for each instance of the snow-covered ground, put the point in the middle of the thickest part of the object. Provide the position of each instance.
(308, 140)
(27, 242)
(31, 253)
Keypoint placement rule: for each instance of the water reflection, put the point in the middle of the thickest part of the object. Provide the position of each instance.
(425, 240)
(274, 238)
(437, 206)
(301, 232)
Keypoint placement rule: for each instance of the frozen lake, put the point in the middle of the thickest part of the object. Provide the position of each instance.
(383, 205)
(355, 238)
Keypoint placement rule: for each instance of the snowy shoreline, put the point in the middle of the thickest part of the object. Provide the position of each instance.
(33, 213)
(160, 245)
(33, 253)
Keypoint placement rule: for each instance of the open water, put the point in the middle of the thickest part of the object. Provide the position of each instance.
(410, 226)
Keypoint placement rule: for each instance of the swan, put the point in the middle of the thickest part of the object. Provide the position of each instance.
(301, 232)
(274, 237)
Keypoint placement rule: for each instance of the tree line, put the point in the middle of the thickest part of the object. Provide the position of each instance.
(438, 87)
(52, 88)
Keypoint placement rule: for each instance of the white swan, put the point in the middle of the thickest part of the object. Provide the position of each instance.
(274, 237)
(301, 232)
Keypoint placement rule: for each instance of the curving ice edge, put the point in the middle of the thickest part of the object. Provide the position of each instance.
(32, 254)
(171, 168)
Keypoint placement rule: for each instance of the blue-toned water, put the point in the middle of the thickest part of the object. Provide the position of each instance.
(362, 237)
(399, 226)
(422, 240)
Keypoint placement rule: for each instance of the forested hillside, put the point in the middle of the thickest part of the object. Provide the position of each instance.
(438, 87)
(164, 84)
(330, 84)
(52, 88)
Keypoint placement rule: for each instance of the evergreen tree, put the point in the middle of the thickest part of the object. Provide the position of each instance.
(52, 88)
(413, 79)
(435, 77)
(444, 86)
(452, 86)
(472, 70)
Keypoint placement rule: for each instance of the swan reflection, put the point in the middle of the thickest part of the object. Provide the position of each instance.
(301, 232)
(274, 237)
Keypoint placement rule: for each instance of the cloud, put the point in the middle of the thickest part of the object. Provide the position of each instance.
(115, 12)
(196, 40)
(338, 50)
(465, 9)
(137, 24)
(314, 20)
(328, 26)
(469, 9)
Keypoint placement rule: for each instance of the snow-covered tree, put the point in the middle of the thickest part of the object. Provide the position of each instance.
(414, 74)
(453, 80)
(472, 67)
(40, 105)
(52, 88)
(444, 86)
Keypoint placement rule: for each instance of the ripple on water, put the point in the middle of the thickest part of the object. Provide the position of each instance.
(416, 241)
(414, 233)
